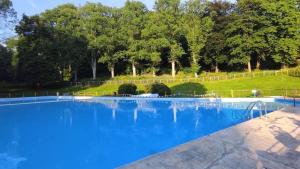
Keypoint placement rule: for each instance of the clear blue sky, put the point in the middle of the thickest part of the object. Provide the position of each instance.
(31, 7)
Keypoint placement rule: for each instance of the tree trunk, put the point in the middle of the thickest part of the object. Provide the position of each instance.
(62, 72)
(258, 63)
(112, 70)
(69, 75)
(153, 73)
(196, 74)
(249, 66)
(217, 68)
(75, 76)
(133, 70)
(173, 69)
(94, 67)
(195, 63)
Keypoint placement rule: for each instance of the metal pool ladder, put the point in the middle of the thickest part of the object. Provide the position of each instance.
(262, 108)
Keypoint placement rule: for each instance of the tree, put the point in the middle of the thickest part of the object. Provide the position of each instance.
(115, 45)
(215, 51)
(170, 18)
(198, 27)
(285, 18)
(8, 18)
(153, 52)
(154, 40)
(93, 23)
(133, 22)
(264, 29)
(5, 64)
(65, 20)
(11, 45)
(175, 53)
(244, 37)
(58, 43)
(36, 51)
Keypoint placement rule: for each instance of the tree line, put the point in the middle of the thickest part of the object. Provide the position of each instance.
(68, 42)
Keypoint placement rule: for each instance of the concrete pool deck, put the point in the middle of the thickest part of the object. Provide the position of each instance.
(272, 143)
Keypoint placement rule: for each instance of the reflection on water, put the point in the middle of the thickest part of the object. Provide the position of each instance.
(8, 161)
(148, 106)
(105, 133)
(9, 158)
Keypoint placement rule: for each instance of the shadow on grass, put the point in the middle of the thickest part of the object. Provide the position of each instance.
(189, 88)
(49, 89)
(73, 87)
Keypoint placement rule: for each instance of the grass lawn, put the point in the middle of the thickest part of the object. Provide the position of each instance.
(268, 86)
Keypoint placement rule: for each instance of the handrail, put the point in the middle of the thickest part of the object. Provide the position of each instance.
(261, 104)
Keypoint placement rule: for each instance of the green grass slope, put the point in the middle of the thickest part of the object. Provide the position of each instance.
(280, 85)
(268, 86)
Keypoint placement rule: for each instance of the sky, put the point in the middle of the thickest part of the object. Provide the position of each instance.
(31, 7)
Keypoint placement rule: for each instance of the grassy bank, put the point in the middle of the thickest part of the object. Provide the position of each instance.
(268, 86)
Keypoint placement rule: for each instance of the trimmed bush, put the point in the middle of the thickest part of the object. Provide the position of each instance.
(158, 88)
(127, 88)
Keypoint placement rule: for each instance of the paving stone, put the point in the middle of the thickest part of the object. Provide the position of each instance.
(272, 143)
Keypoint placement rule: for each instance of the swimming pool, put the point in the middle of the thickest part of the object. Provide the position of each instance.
(53, 133)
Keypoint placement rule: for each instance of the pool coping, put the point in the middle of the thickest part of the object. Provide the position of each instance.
(200, 100)
(267, 99)
(245, 145)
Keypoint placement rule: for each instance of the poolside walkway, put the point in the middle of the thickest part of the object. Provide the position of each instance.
(272, 143)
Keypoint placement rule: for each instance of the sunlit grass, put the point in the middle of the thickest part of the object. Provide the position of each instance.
(268, 86)
(223, 87)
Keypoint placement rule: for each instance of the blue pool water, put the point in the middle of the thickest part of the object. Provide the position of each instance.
(104, 133)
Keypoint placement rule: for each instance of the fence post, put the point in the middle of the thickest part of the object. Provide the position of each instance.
(232, 93)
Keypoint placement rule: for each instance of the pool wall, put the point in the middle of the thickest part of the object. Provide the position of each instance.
(44, 98)
(41, 98)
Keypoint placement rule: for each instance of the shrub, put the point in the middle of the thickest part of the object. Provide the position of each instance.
(128, 88)
(158, 88)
